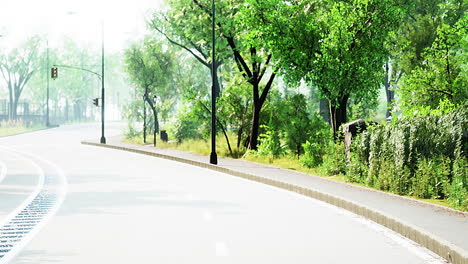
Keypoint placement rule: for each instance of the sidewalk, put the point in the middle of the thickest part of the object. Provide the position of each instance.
(440, 229)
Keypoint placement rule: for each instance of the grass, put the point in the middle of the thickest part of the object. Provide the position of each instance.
(14, 128)
(203, 147)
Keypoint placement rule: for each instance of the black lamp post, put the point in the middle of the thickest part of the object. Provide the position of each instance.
(155, 100)
(103, 139)
(213, 155)
(47, 99)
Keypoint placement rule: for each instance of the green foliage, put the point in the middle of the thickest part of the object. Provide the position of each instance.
(291, 125)
(297, 126)
(334, 160)
(131, 131)
(431, 178)
(187, 126)
(316, 146)
(442, 77)
(235, 107)
(421, 156)
(270, 143)
(335, 45)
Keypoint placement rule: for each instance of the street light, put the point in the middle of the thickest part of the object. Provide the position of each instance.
(48, 88)
(103, 138)
(213, 156)
(155, 100)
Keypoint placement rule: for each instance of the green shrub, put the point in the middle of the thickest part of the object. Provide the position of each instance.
(131, 131)
(432, 178)
(423, 156)
(356, 170)
(186, 127)
(458, 191)
(334, 161)
(270, 143)
(316, 146)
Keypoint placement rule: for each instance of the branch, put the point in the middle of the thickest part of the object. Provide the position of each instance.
(265, 67)
(442, 92)
(208, 11)
(238, 56)
(181, 46)
(268, 87)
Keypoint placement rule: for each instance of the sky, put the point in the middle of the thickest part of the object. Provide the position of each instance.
(80, 20)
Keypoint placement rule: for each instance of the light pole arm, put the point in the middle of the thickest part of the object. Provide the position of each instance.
(79, 68)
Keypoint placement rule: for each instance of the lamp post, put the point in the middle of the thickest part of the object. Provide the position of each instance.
(103, 138)
(48, 89)
(213, 155)
(155, 100)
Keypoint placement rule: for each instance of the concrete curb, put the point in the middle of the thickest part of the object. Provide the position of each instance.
(441, 247)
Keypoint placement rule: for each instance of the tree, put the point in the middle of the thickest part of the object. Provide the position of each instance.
(17, 68)
(335, 45)
(188, 27)
(150, 67)
(190, 21)
(442, 77)
(235, 106)
(435, 64)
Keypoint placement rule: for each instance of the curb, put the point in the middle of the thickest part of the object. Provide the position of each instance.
(448, 251)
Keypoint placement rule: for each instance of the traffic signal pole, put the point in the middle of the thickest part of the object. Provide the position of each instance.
(103, 139)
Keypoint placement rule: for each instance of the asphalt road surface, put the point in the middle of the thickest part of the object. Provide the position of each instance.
(63, 202)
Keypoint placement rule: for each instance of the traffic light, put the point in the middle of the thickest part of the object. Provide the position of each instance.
(54, 73)
(96, 101)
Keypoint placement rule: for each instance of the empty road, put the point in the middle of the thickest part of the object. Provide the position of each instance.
(63, 202)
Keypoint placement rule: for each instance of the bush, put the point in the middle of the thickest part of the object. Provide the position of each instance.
(432, 178)
(458, 189)
(334, 161)
(186, 127)
(131, 131)
(270, 143)
(423, 156)
(316, 146)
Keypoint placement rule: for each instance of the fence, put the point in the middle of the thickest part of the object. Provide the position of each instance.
(32, 114)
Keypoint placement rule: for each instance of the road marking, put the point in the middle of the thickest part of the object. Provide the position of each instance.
(28, 218)
(221, 249)
(3, 171)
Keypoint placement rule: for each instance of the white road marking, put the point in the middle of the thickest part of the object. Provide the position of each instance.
(60, 189)
(221, 249)
(3, 171)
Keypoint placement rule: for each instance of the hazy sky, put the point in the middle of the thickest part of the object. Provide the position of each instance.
(78, 19)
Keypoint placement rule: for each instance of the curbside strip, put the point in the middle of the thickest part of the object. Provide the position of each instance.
(441, 247)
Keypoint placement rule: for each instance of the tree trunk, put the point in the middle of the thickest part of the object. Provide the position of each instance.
(257, 106)
(338, 114)
(324, 111)
(239, 136)
(390, 93)
(144, 122)
(14, 109)
(10, 103)
(156, 125)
